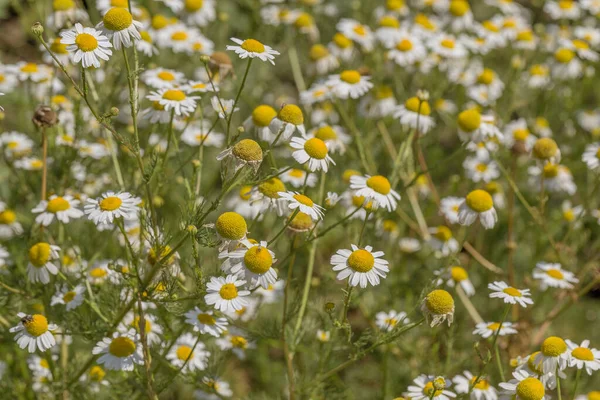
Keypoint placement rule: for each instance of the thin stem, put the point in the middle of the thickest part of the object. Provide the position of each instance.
(44, 162)
(577, 377)
(237, 97)
(558, 389)
(287, 223)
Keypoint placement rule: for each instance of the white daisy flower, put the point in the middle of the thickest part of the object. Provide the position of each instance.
(71, 298)
(478, 204)
(33, 332)
(313, 151)
(389, 320)
(377, 188)
(64, 208)
(200, 12)
(447, 46)
(99, 272)
(152, 329)
(583, 357)
(591, 156)
(481, 169)
(524, 387)
(260, 120)
(206, 322)
(407, 49)
(449, 207)
(118, 24)
(121, 352)
(516, 133)
(349, 84)
(553, 275)
(288, 120)
(174, 99)
(303, 203)
(342, 46)
(87, 45)
(215, 385)
(224, 293)
(297, 178)
(181, 38)
(562, 9)
(40, 264)
(322, 60)
(161, 78)
(415, 114)
(253, 48)
(323, 336)
(427, 387)
(535, 368)
(489, 329)
(273, 293)
(333, 135)
(357, 32)
(199, 134)
(246, 152)
(360, 266)
(190, 352)
(254, 263)
(509, 294)
(482, 390)
(146, 44)
(223, 107)
(554, 353)
(236, 341)
(16, 144)
(111, 205)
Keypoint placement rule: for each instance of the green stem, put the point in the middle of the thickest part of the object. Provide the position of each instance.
(237, 97)
(577, 377)
(288, 222)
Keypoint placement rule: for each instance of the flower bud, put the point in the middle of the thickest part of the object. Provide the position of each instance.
(37, 29)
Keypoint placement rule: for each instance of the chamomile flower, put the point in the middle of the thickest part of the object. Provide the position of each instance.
(200, 134)
(377, 188)
(99, 272)
(70, 298)
(177, 100)
(524, 387)
(120, 352)
(245, 152)
(181, 38)
(215, 385)
(110, 206)
(223, 107)
(449, 207)
(488, 329)
(583, 357)
(206, 322)
(456, 275)
(480, 169)
(442, 241)
(415, 114)
(254, 49)
(288, 120)
(200, 12)
(323, 61)
(253, 262)
(361, 266)
(478, 204)
(406, 50)
(323, 336)
(63, 208)
(349, 84)
(16, 144)
(189, 353)
(518, 136)
(303, 203)
(509, 294)
(9, 226)
(566, 64)
(152, 329)
(273, 293)
(87, 45)
(160, 78)
(562, 9)
(40, 266)
(260, 120)
(387, 321)
(357, 32)
(554, 353)
(119, 26)
(482, 390)
(380, 103)
(266, 194)
(297, 178)
(430, 387)
(591, 156)
(224, 293)
(546, 150)
(33, 332)
(146, 44)
(236, 341)
(553, 275)
(313, 152)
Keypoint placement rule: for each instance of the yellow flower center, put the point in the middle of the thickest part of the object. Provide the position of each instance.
(228, 291)
(389, 22)
(121, 347)
(57, 204)
(481, 385)
(179, 36)
(350, 76)
(119, 3)
(29, 68)
(383, 92)
(166, 76)
(479, 201)
(44, 363)
(110, 203)
(582, 353)
(404, 45)
(258, 260)
(430, 391)
(481, 167)
(62, 5)
(97, 373)
(448, 43)
(512, 292)
(136, 324)
(361, 261)
(545, 148)
(263, 115)
(525, 36)
(253, 46)
(360, 30)
(271, 188)
(305, 20)
(231, 225)
(193, 5)
(245, 192)
(490, 26)
(69, 296)
(580, 44)
(325, 132)
(247, 150)
(86, 42)
(458, 274)
(521, 134)
(291, 114)
(530, 389)
(57, 47)
(318, 51)
(302, 199)
(239, 342)
(184, 353)
(159, 22)
(458, 8)
(439, 302)
(174, 95)
(316, 148)
(553, 346)
(36, 325)
(206, 319)
(342, 41)
(7, 217)
(296, 173)
(39, 254)
(415, 105)
(389, 225)
(380, 184)
(494, 326)
(394, 5)
(537, 368)
(117, 19)
(301, 222)
(98, 273)
(486, 77)
(425, 22)
(555, 273)
(595, 395)
(565, 4)
(563, 55)
(550, 171)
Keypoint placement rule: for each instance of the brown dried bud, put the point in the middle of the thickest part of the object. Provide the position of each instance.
(220, 65)
(44, 117)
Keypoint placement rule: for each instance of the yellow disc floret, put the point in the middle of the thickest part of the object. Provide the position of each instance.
(117, 19)
(231, 225)
(86, 42)
(97, 373)
(36, 325)
(318, 51)
(253, 46)
(415, 105)
(350, 76)
(479, 201)
(469, 120)
(380, 184)
(206, 319)
(39, 254)
(439, 302)
(553, 346)
(184, 352)
(174, 95)
(404, 45)
(228, 291)
(7, 217)
(263, 115)
(564, 55)
(458, 8)
(458, 274)
(583, 353)
(271, 188)
(258, 259)
(304, 200)
(57, 204)
(530, 389)
(110, 203)
(316, 148)
(291, 114)
(248, 150)
(63, 5)
(325, 132)
(193, 5)
(121, 347)
(511, 291)
(545, 148)
(361, 261)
